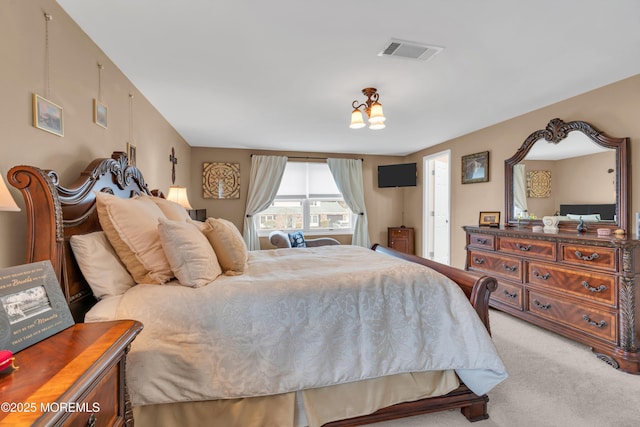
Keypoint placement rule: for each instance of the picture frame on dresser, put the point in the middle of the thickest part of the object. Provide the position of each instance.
(489, 219)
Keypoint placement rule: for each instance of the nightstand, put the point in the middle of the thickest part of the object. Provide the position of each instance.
(73, 378)
(401, 239)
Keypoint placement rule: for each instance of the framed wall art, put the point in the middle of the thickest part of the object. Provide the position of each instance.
(99, 113)
(475, 168)
(539, 183)
(221, 180)
(47, 116)
(131, 154)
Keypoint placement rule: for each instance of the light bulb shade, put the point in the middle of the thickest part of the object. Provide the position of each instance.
(6, 200)
(376, 115)
(178, 195)
(377, 126)
(357, 120)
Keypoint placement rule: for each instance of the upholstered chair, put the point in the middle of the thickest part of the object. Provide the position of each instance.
(280, 239)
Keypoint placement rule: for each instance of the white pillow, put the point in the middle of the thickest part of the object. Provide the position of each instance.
(100, 265)
(131, 225)
(591, 217)
(190, 255)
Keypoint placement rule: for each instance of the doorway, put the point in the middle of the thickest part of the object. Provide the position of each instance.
(436, 210)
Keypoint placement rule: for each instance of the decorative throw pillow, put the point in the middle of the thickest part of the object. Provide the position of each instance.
(100, 265)
(228, 244)
(297, 240)
(190, 255)
(131, 226)
(171, 210)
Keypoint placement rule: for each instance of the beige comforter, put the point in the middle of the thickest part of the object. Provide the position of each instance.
(299, 319)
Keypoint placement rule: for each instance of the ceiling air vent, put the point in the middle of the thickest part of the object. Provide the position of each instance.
(406, 49)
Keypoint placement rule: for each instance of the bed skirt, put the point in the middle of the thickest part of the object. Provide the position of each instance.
(312, 408)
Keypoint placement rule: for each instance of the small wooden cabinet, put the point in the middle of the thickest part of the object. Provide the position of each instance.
(401, 239)
(578, 285)
(73, 378)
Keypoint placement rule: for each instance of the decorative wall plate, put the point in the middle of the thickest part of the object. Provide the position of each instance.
(221, 180)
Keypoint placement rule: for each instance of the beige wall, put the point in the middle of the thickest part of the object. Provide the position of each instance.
(384, 205)
(74, 85)
(613, 109)
(586, 179)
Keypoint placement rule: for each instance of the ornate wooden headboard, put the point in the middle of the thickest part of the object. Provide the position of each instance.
(55, 213)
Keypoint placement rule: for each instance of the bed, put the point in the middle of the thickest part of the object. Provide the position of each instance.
(289, 383)
(592, 212)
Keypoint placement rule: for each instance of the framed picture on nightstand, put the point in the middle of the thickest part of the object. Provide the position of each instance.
(32, 306)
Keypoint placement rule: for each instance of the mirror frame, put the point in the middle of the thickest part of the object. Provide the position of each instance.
(555, 132)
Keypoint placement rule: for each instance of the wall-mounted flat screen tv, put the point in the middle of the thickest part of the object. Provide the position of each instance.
(400, 175)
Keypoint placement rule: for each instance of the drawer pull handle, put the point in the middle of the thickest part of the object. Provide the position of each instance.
(510, 295)
(478, 260)
(91, 422)
(599, 289)
(600, 324)
(523, 248)
(506, 267)
(587, 257)
(541, 306)
(540, 276)
(481, 241)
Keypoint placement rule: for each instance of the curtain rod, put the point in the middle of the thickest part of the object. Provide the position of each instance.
(312, 158)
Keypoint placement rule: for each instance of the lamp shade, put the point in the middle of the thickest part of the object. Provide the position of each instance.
(6, 200)
(357, 121)
(178, 195)
(376, 115)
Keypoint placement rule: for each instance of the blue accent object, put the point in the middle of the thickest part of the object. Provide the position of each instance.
(581, 227)
(297, 240)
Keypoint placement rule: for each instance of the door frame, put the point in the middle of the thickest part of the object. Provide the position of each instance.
(429, 187)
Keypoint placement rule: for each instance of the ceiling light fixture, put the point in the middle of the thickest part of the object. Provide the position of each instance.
(373, 109)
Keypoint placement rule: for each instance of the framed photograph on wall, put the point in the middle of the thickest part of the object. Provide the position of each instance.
(475, 168)
(491, 219)
(99, 113)
(47, 115)
(131, 154)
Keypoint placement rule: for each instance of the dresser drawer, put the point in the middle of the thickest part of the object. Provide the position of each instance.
(581, 283)
(509, 294)
(478, 240)
(528, 247)
(592, 256)
(101, 406)
(496, 264)
(598, 323)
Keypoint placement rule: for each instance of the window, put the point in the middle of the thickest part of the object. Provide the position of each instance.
(308, 200)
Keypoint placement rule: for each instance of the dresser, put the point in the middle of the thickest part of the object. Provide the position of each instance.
(73, 378)
(580, 286)
(401, 239)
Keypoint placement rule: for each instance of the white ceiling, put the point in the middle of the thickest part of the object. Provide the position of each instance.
(282, 74)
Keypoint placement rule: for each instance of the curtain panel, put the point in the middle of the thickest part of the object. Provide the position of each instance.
(266, 175)
(348, 176)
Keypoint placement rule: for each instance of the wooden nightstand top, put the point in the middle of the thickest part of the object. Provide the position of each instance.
(59, 368)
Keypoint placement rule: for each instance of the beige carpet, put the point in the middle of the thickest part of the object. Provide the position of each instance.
(553, 382)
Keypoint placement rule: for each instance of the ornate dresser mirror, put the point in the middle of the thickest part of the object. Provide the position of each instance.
(571, 171)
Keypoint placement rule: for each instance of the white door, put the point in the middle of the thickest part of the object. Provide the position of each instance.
(437, 221)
